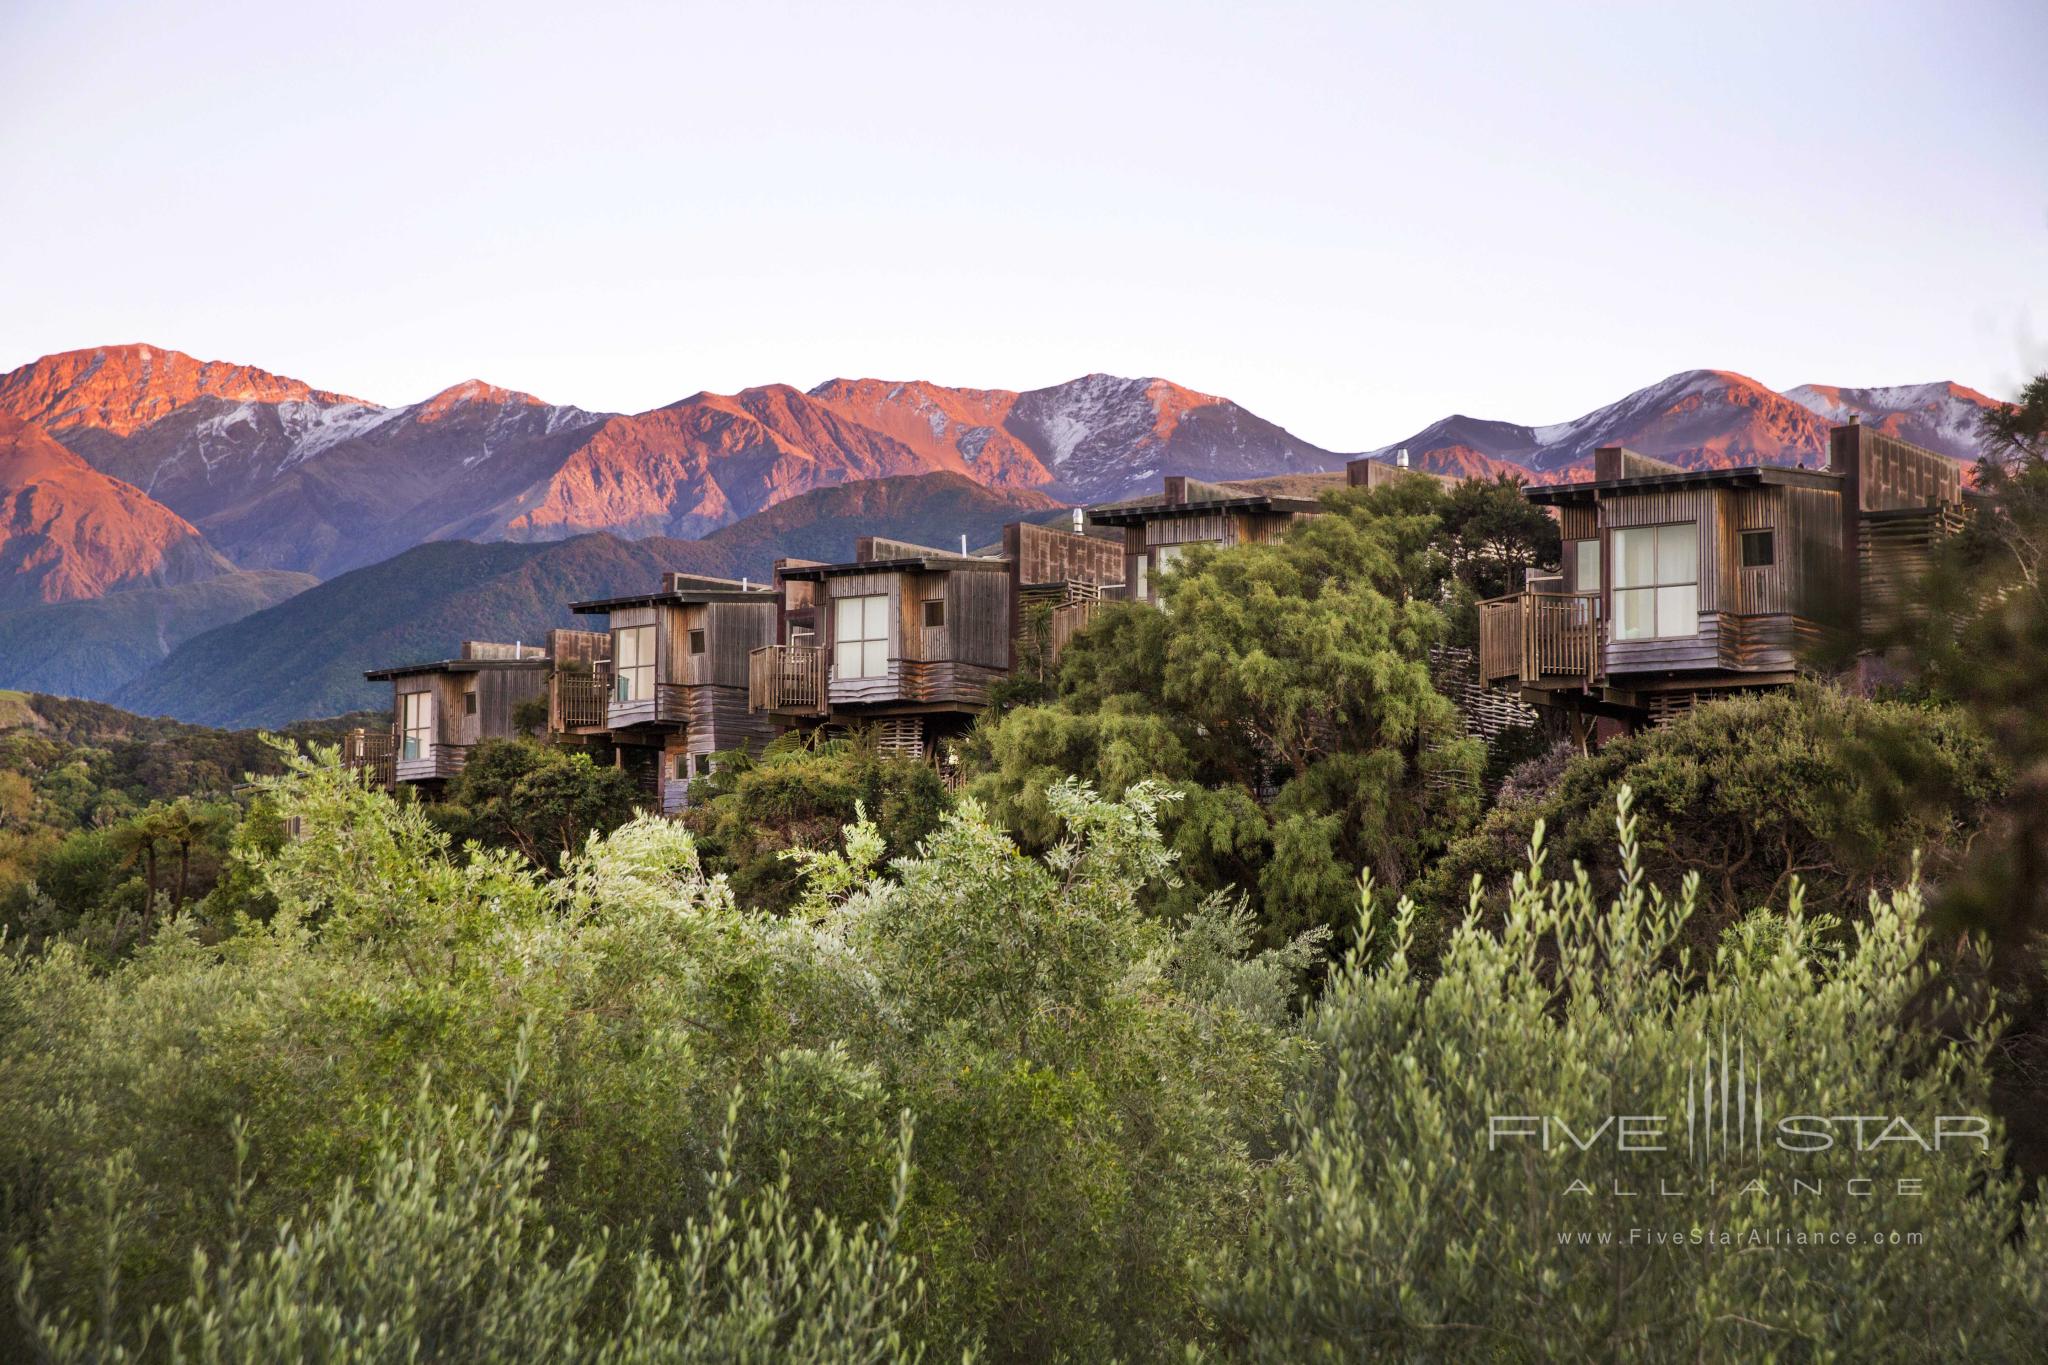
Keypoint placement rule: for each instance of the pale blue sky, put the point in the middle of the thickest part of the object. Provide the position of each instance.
(1353, 218)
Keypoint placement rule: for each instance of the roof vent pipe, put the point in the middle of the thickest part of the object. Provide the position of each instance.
(1080, 520)
(1401, 457)
(963, 543)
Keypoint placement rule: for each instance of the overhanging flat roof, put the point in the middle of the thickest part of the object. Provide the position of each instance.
(811, 573)
(682, 597)
(1136, 514)
(455, 666)
(1748, 476)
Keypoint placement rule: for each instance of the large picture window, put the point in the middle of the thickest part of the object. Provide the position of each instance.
(1656, 581)
(633, 663)
(416, 722)
(860, 637)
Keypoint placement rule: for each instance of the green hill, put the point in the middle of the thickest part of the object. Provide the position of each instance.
(91, 648)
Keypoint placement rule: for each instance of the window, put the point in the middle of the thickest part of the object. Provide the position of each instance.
(682, 768)
(1656, 581)
(860, 637)
(935, 612)
(1169, 555)
(1141, 580)
(633, 658)
(469, 702)
(1759, 549)
(416, 720)
(1585, 566)
(697, 641)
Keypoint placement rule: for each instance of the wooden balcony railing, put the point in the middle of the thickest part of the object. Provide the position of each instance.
(372, 753)
(577, 699)
(1537, 637)
(789, 679)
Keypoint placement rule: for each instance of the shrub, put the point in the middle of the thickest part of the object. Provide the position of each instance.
(541, 801)
(1748, 793)
(755, 808)
(1410, 1221)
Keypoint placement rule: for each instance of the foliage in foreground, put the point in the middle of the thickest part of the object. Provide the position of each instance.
(1409, 1222)
(444, 1250)
(1088, 1080)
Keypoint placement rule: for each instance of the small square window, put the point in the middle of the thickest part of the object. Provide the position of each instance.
(696, 642)
(1759, 548)
(935, 612)
(682, 767)
(469, 703)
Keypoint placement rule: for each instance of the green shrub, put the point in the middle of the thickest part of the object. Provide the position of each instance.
(797, 795)
(534, 798)
(1090, 1082)
(1748, 793)
(1422, 1213)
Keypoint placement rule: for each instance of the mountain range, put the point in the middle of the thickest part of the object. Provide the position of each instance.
(1703, 419)
(210, 489)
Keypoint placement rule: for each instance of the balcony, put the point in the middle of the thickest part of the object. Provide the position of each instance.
(577, 699)
(1540, 639)
(786, 679)
(371, 753)
(668, 705)
(432, 763)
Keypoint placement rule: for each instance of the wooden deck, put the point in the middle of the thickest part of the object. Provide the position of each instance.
(787, 680)
(439, 762)
(670, 705)
(1538, 638)
(577, 699)
(371, 753)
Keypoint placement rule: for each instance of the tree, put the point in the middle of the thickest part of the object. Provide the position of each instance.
(539, 800)
(754, 810)
(1493, 1162)
(1496, 535)
(1283, 690)
(1747, 794)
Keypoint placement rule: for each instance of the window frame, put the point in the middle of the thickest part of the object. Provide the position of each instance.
(633, 682)
(1659, 589)
(934, 613)
(868, 650)
(697, 641)
(1579, 549)
(1767, 536)
(415, 725)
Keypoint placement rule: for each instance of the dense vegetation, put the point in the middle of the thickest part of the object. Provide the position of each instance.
(108, 821)
(1808, 782)
(1102, 1051)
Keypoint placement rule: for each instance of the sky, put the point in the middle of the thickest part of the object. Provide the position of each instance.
(1352, 218)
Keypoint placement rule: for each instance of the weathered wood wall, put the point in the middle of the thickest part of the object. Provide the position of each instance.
(1047, 554)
